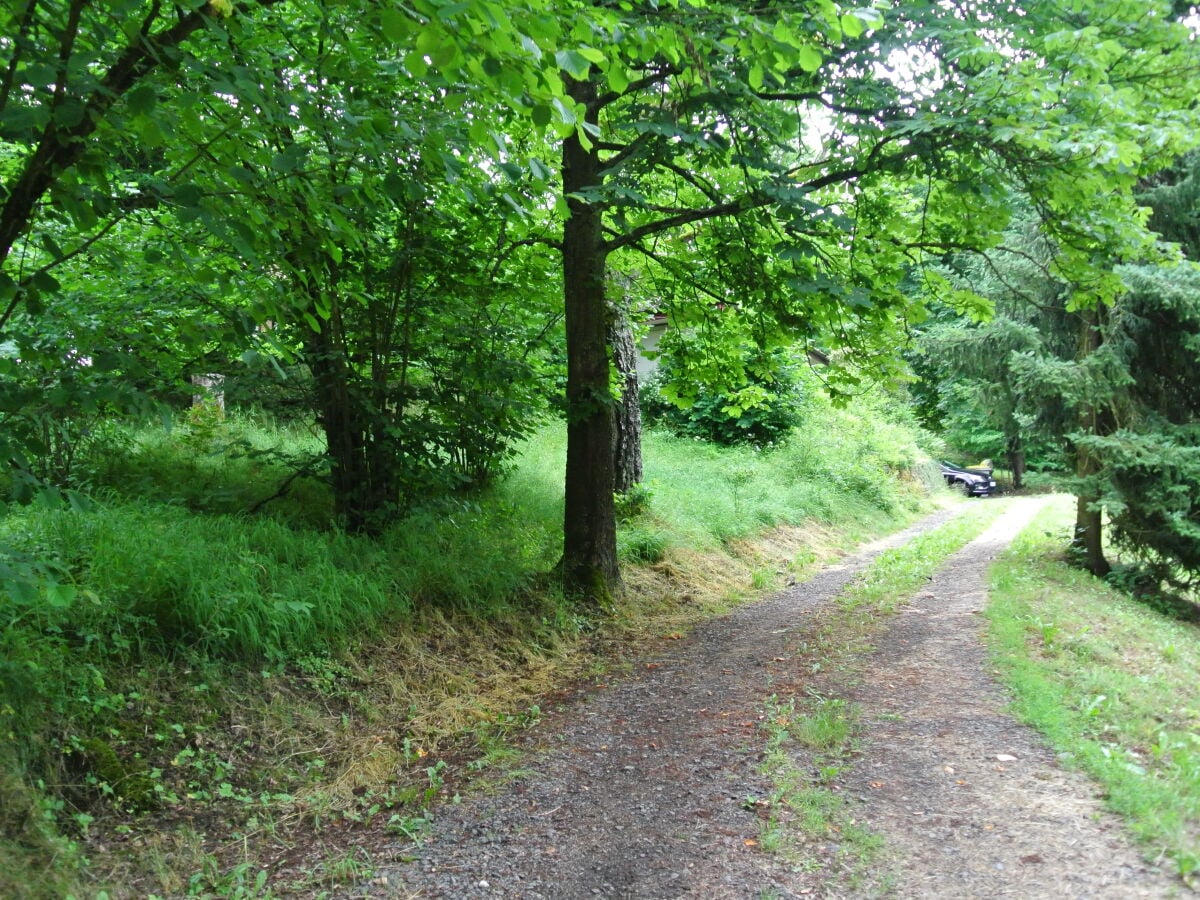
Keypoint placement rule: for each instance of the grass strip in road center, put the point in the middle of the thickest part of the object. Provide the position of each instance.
(811, 731)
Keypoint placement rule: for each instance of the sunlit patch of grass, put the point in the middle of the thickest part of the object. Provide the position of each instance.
(1113, 684)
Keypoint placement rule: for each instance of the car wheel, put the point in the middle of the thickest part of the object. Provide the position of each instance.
(965, 487)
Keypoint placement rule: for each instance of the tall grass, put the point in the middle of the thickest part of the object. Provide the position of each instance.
(166, 568)
(841, 466)
(216, 465)
(140, 573)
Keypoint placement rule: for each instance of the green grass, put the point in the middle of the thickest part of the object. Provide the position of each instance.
(805, 821)
(168, 654)
(837, 469)
(898, 573)
(213, 466)
(1113, 684)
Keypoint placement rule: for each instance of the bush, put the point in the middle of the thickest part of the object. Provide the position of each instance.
(763, 411)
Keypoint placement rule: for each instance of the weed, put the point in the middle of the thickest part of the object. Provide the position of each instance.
(762, 579)
(641, 544)
(633, 503)
(827, 726)
(204, 426)
(799, 811)
(412, 828)
(352, 867)
(897, 574)
(1047, 630)
(244, 881)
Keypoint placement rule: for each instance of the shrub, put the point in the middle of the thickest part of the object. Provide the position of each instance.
(763, 410)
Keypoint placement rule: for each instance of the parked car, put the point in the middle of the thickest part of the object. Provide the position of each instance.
(974, 482)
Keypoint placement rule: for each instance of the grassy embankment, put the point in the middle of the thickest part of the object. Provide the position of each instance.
(1112, 682)
(193, 699)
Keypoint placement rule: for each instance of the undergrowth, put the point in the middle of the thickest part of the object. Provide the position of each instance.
(189, 690)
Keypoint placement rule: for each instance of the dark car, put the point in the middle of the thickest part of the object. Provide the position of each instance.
(973, 482)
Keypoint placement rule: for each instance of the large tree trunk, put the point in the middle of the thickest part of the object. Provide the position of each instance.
(1088, 540)
(589, 564)
(627, 439)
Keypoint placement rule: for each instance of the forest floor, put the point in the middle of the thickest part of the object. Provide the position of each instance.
(672, 778)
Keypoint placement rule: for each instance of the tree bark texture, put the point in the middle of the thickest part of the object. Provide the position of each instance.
(1015, 451)
(589, 564)
(1088, 540)
(627, 437)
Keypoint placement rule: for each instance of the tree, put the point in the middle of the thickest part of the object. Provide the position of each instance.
(1110, 385)
(699, 116)
(274, 158)
(971, 390)
(79, 107)
(73, 74)
(627, 429)
(832, 150)
(398, 289)
(1147, 461)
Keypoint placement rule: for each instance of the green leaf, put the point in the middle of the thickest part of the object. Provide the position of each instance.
(141, 100)
(566, 115)
(573, 63)
(394, 24)
(530, 46)
(446, 55)
(46, 282)
(415, 64)
(18, 122)
(809, 58)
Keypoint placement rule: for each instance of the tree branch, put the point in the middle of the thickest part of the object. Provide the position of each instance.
(660, 75)
(60, 149)
(17, 44)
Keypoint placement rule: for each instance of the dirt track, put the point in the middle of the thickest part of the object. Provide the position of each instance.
(637, 788)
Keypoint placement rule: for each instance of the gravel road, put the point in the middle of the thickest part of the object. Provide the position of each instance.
(636, 788)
